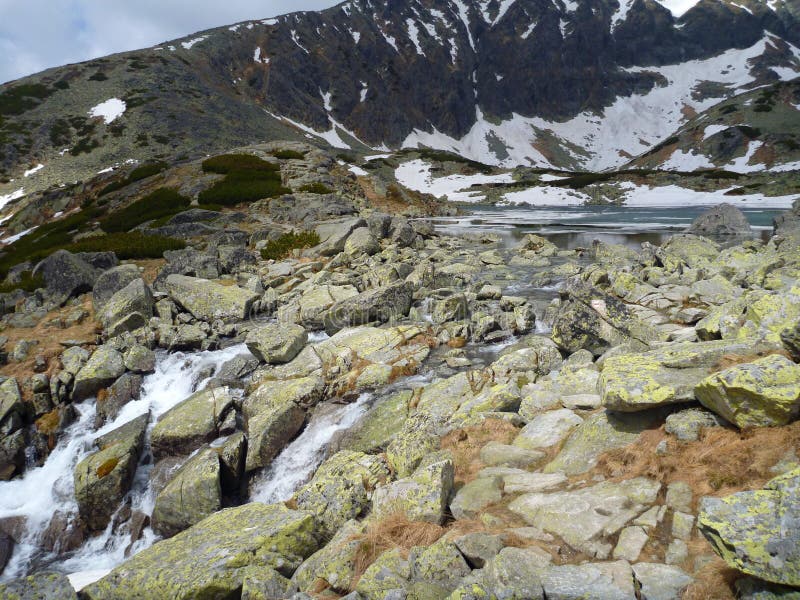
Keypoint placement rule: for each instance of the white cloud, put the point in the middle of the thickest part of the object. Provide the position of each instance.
(39, 34)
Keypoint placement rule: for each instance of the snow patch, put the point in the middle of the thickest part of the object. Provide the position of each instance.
(526, 34)
(13, 238)
(356, 36)
(687, 161)
(713, 130)
(622, 13)
(673, 196)
(265, 22)
(678, 8)
(364, 91)
(547, 196)
(741, 163)
(16, 195)
(413, 35)
(357, 171)
(296, 40)
(463, 13)
(416, 175)
(192, 42)
(33, 170)
(110, 110)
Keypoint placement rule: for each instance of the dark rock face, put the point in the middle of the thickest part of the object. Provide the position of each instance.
(381, 70)
(66, 275)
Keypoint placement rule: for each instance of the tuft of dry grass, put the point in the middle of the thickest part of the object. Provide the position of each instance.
(391, 532)
(714, 581)
(731, 360)
(721, 462)
(465, 445)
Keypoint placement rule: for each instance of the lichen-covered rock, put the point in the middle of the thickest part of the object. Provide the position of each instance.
(140, 359)
(208, 300)
(66, 275)
(379, 425)
(265, 584)
(341, 489)
(211, 559)
(584, 518)
(112, 281)
(686, 425)
(597, 434)
(722, 219)
(495, 453)
(790, 338)
(421, 497)
(103, 478)
(764, 393)
(539, 358)
(128, 309)
(40, 586)
(634, 382)
(547, 430)
(538, 245)
(361, 243)
(382, 305)
(479, 548)
(334, 564)
(768, 316)
(475, 496)
(274, 413)
(661, 582)
(514, 574)
(334, 235)
(191, 423)
(193, 494)
(610, 581)
(390, 571)
(102, 368)
(319, 298)
(756, 532)
(276, 342)
(420, 436)
(11, 406)
(440, 565)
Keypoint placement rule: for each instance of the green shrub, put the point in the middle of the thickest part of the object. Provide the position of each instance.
(139, 173)
(227, 163)
(84, 146)
(22, 98)
(288, 154)
(316, 188)
(127, 246)
(28, 282)
(163, 202)
(60, 133)
(283, 246)
(99, 76)
(444, 156)
(61, 84)
(232, 191)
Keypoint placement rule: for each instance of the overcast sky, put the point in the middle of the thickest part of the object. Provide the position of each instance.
(38, 34)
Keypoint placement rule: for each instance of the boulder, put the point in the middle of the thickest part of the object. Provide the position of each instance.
(111, 281)
(212, 558)
(209, 300)
(140, 359)
(334, 234)
(609, 581)
(128, 309)
(335, 563)
(475, 496)
(686, 425)
(193, 494)
(101, 370)
(514, 574)
(266, 584)
(12, 408)
(111, 400)
(790, 338)
(361, 243)
(585, 518)
(274, 413)
(318, 299)
(764, 393)
(661, 582)
(421, 497)
(538, 245)
(341, 488)
(548, 429)
(383, 305)
(103, 478)
(389, 573)
(439, 567)
(721, 220)
(40, 586)
(379, 424)
(756, 531)
(66, 275)
(669, 375)
(276, 342)
(191, 423)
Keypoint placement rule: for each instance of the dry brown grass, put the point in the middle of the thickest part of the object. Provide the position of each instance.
(151, 268)
(714, 581)
(394, 531)
(465, 445)
(731, 360)
(721, 462)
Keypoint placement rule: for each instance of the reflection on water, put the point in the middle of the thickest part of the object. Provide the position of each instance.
(578, 226)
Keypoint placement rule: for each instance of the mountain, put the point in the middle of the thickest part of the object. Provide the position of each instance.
(578, 84)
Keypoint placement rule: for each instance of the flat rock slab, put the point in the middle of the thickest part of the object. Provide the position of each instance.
(209, 300)
(276, 342)
(584, 518)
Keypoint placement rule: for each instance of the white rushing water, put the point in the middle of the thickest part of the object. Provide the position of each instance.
(44, 490)
(298, 461)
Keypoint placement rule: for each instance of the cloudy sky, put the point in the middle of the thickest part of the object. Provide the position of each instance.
(37, 34)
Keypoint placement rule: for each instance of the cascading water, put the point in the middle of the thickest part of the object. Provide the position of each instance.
(50, 488)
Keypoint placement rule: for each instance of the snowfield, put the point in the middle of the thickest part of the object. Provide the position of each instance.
(416, 175)
(110, 110)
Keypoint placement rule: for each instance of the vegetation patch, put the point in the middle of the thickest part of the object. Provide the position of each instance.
(316, 188)
(99, 76)
(28, 282)
(106, 467)
(283, 246)
(247, 178)
(444, 156)
(289, 154)
(139, 173)
(22, 98)
(127, 246)
(163, 202)
(229, 163)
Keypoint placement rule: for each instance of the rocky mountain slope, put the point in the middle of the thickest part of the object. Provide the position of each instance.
(587, 84)
(456, 417)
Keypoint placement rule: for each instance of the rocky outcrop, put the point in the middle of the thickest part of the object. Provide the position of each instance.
(102, 369)
(66, 275)
(128, 309)
(208, 300)
(276, 342)
(383, 305)
(721, 220)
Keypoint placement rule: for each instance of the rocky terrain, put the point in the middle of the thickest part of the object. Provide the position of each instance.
(583, 85)
(528, 421)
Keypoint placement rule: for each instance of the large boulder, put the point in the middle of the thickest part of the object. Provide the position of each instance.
(341, 489)
(590, 319)
(333, 235)
(721, 220)
(128, 309)
(668, 375)
(586, 518)
(274, 413)
(191, 423)
(66, 275)
(111, 281)
(212, 559)
(192, 494)
(421, 497)
(383, 305)
(103, 478)
(361, 243)
(40, 586)
(101, 370)
(336, 563)
(311, 306)
(756, 531)
(12, 409)
(764, 393)
(208, 300)
(276, 342)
